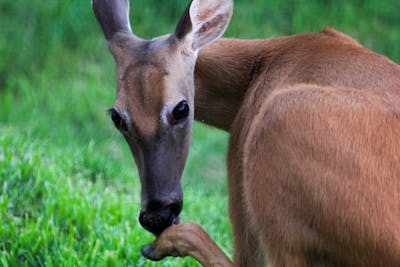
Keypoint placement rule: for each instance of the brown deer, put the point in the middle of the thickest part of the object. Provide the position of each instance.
(314, 150)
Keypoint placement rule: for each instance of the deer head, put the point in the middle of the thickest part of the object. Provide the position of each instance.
(154, 106)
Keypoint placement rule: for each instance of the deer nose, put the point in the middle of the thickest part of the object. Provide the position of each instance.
(157, 217)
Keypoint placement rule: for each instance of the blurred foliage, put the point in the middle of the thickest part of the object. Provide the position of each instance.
(38, 35)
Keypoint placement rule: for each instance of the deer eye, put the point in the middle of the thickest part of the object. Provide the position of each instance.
(119, 123)
(181, 111)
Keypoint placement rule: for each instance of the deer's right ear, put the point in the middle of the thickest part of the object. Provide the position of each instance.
(204, 21)
(113, 17)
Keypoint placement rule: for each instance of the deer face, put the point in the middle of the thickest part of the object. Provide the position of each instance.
(154, 112)
(154, 107)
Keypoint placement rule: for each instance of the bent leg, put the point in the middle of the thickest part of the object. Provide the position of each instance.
(187, 239)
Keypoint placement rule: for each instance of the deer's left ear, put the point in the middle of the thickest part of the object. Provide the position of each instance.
(204, 21)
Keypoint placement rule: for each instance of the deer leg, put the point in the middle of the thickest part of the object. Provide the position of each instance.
(247, 250)
(246, 246)
(187, 239)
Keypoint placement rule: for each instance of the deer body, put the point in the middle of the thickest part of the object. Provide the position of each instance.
(314, 140)
(314, 143)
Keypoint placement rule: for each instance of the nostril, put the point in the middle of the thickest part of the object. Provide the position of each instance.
(176, 208)
(156, 219)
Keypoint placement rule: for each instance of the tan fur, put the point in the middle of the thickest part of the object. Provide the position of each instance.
(313, 159)
(314, 149)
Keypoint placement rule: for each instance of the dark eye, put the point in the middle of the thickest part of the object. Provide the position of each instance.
(181, 110)
(119, 123)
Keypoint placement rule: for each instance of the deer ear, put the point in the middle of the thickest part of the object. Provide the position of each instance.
(204, 21)
(113, 17)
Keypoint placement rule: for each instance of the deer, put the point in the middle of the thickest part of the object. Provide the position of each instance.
(314, 138)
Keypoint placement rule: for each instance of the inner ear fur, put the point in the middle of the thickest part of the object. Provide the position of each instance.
(204, 21)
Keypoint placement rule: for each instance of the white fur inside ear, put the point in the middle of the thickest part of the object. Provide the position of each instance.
(210, 18)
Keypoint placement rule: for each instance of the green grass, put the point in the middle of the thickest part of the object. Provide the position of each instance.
(73, 208)
(69, 190)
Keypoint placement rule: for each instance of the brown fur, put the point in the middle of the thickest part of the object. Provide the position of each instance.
(314, 123)
(314, 148)
(323, 135)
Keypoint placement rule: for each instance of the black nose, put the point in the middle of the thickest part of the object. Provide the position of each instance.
(156, 218)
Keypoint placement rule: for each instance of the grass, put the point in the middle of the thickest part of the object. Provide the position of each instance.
(63, 209)
(69, 191)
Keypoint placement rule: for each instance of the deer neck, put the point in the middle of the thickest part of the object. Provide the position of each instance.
(223, 73)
